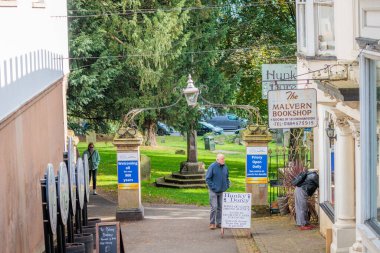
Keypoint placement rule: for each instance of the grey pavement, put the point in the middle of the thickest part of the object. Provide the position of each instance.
(167, 229)
(183, 229)
(279, 234)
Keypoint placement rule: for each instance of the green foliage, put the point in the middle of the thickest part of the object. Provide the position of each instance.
(125, 58)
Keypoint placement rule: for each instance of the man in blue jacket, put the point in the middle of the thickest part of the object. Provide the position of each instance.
(218, 182)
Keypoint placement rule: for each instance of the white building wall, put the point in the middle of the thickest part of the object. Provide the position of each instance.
(32, 45)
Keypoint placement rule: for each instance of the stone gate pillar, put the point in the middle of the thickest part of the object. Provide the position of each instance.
(256, 140)
(128, 175)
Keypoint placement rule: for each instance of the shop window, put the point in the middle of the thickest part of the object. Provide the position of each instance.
(325, 27)
(373, 73)
(301, 25)
(8, 3)
(38, 4)
(330, 164)
(331, 175)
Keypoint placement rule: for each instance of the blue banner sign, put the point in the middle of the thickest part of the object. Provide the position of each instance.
(257, 165)
(128, 170)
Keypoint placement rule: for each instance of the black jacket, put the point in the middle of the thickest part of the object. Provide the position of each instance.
(311, 183)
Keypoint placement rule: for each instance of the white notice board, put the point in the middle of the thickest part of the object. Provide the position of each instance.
(236, 210)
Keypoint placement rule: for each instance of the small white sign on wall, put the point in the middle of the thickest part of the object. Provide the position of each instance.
(292, 108)
(236, 210)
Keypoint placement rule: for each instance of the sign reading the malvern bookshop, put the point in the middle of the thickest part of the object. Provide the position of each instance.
(278, 77)
(257, 165)
(292, 108)
(236, 210)
(128, 170)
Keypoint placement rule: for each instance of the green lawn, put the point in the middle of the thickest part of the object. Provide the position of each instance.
(163, 162)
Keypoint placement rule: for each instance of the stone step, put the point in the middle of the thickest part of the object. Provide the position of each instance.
(160, 182)
(170, 179)
(188, 176)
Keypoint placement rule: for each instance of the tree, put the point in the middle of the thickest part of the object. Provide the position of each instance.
(121, 55)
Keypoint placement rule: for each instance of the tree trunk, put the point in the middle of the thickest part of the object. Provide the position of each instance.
(150, 134)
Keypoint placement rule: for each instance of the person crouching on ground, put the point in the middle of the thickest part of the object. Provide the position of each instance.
(217, 180)
(307, 184)
(93, 163)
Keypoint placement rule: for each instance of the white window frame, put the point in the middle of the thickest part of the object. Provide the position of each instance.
(316, 25)
(302, 45)
(8, 3)
(38, 4)
(325, 162)
(369, 231)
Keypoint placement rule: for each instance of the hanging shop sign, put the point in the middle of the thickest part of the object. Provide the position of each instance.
(292, 108)
(128, 170)
(257, 165)
(278, 77)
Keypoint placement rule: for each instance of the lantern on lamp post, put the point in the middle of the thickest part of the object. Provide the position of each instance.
(191, 93)
(330, 132)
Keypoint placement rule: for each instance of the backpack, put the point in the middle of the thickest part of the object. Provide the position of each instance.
(299, 179)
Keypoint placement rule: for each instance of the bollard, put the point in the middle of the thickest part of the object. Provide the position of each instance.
(90, 230)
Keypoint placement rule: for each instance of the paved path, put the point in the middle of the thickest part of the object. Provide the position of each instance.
(279, 234)
(167, 229)
(183, 229)
(176, 229)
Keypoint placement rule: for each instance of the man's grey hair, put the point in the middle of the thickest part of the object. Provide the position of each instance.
(219, 156)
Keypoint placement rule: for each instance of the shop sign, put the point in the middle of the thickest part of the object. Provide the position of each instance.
(278, 77)
(128, 170)
(236, 210)
(257, 165)
(292, 108)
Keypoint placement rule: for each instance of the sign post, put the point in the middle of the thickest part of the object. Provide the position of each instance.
(128, 174)
(256, 138)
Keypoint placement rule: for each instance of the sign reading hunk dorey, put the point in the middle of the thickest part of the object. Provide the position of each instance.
(278, 77)
(236, 210)
(292, 108)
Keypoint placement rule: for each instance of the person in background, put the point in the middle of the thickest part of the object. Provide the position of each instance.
(307, 184)
(217, 180)
(93, 163)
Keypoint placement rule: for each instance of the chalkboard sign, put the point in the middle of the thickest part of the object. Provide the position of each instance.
(108, 237)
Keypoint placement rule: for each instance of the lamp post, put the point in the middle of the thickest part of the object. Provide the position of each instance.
(191, 166)
(330, 132)
(191, 93)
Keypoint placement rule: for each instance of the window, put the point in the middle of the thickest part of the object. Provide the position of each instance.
(330, 163)
(301, 24)
(325, 27)
(373, 78)
(38, 4)
(8, 3)
(331, 196)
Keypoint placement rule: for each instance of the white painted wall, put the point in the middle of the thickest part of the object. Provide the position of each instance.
(32, 44)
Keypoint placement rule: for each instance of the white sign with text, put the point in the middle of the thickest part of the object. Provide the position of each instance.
(278, 77)
(236, 210)
(292, 108)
